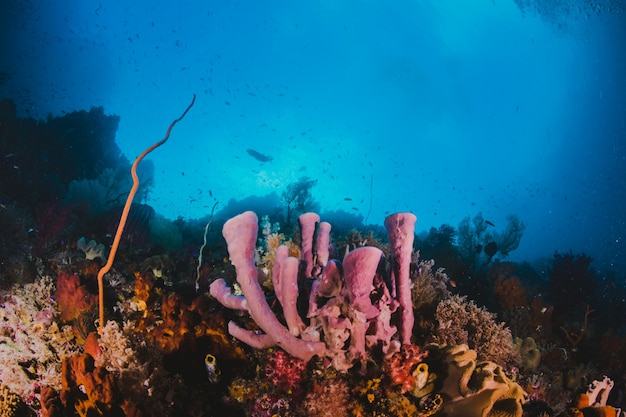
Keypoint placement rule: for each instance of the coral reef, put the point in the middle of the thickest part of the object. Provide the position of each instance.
(369, 330)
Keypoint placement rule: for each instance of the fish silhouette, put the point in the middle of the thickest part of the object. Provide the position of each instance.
(259, 156)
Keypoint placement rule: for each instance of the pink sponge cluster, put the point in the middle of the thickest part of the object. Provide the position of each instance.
(351, 308)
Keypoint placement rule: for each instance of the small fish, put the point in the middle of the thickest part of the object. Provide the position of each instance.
(259, 156)
(489, 223)
(348, 199)
(210, 362)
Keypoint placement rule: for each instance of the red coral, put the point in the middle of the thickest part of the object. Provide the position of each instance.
(92, 346)
(285, 372)
(72, 297)
(52, 219)
(399, 367)
(510, 293)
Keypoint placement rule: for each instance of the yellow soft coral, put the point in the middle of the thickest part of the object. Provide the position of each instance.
(9, 402)
(268, 254)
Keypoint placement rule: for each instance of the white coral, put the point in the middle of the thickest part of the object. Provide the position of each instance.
(118, 354)
(32, 345)
(92, 249)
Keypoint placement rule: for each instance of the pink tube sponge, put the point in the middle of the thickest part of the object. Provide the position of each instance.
(240, 233)
(322, 244)
(289, 294)
(359, 268)
(401, 230)
(308, 222)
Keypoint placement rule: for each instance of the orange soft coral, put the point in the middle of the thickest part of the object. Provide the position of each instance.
(72, 297)
(89, 390)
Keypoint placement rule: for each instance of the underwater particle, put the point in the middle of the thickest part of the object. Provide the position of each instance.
(213, 371)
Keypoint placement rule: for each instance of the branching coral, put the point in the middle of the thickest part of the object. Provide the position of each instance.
(478, 245)
(428, 286)
(297, 197)
(463, 322)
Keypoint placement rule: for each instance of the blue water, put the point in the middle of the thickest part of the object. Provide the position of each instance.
(443, 108)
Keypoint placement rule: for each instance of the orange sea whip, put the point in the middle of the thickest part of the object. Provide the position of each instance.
(129, 201)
